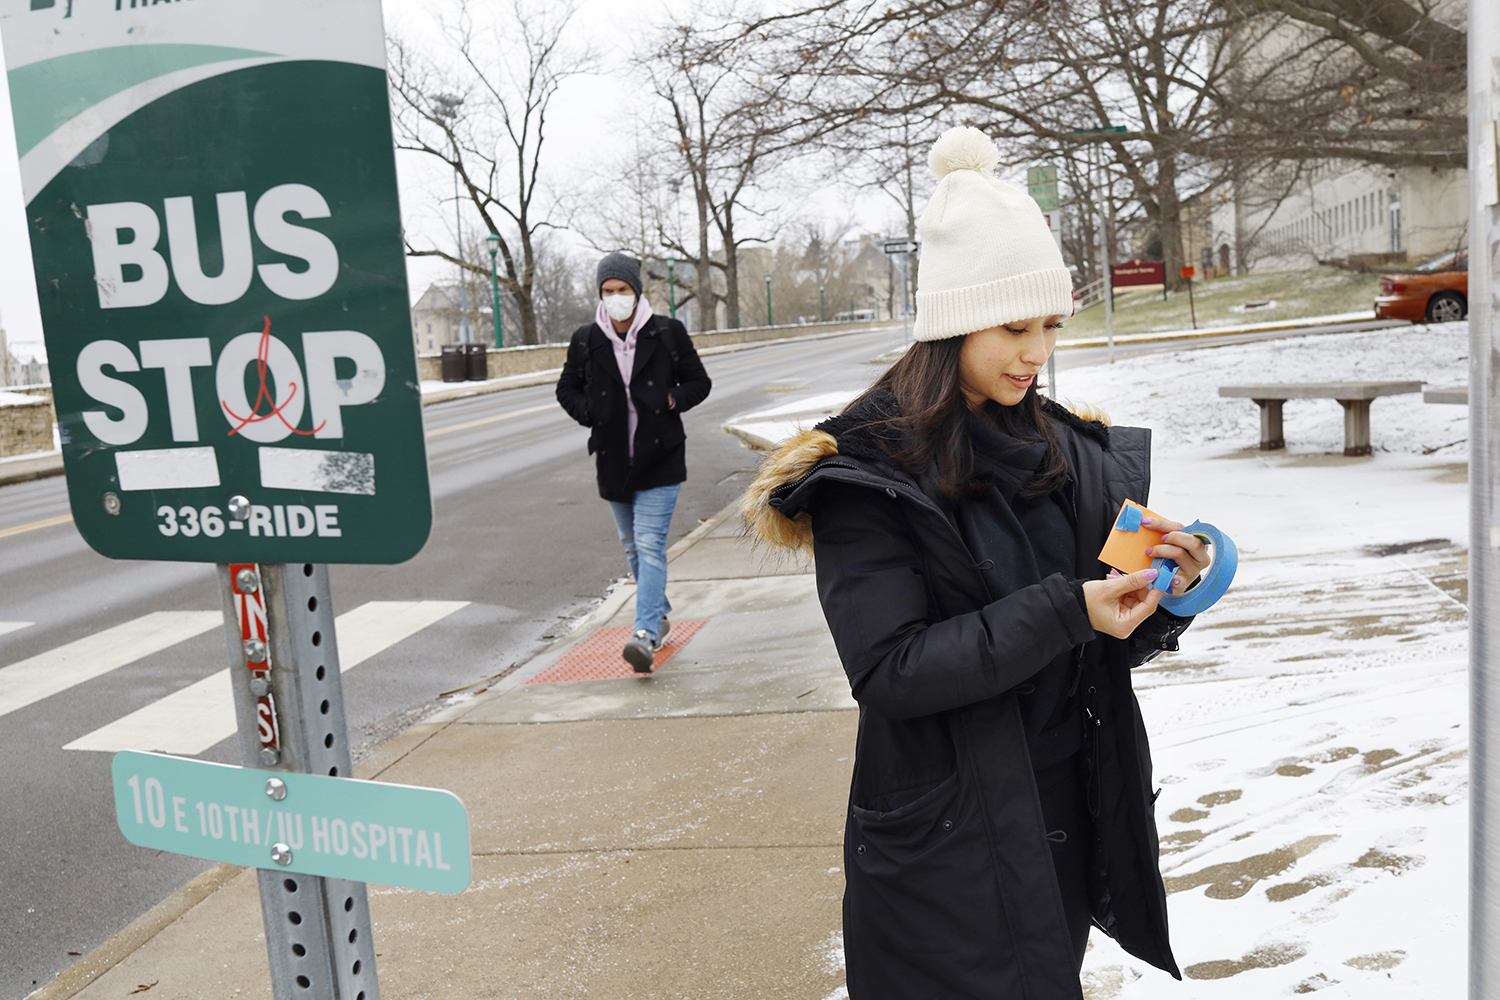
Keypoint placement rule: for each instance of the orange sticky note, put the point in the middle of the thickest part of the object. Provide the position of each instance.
(1126, 550)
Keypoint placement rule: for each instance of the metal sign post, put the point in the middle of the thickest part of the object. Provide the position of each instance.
(901, 251)
(1484, 518)
(318, 936)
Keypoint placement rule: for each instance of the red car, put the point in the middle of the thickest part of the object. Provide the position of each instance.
(1436, 292)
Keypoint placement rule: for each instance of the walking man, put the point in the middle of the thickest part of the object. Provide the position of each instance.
(629, 376)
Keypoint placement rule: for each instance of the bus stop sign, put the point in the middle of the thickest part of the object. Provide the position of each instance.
(216, 239)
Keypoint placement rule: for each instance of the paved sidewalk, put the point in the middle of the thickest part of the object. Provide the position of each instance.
(671, 836)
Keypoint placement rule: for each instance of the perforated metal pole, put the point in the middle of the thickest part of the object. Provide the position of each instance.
(290, 709)
(1484, 519)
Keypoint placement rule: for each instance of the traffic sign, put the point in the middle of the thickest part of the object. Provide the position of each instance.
(901, 246)
(1054, 226)
(1041, 184)
(364, 831)
(216, 239)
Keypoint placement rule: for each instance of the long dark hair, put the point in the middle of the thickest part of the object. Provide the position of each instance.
(931, 429)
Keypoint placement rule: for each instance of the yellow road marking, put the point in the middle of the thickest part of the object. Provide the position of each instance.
(766, 357)
(49, 522)
(490, 420)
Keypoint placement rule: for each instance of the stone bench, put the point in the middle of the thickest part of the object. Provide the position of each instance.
(1354, 397)
(1456, 395)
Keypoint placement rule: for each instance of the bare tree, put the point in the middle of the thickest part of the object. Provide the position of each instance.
(495, 96)
(1369, 81)
(1037, 76)
(730, 129)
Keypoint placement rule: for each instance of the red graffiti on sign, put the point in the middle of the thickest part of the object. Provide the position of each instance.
(262, 355)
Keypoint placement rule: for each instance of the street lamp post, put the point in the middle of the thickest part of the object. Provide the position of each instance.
(769, 320)
(671, 288)
(493, 242)
(822, 309)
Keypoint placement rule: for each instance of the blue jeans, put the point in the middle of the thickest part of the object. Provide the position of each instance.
(642, 525)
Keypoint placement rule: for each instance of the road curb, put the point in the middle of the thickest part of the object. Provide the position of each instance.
(96, 963)
(23, 470)
(1353, 326)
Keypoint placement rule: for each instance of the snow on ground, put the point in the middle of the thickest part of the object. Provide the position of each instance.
(1176, 394)
(1310, 737)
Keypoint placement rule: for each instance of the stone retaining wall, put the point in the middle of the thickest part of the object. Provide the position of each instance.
(543, 357)
(26, 420)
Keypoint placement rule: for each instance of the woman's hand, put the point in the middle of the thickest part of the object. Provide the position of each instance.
(1118, 604)
(1189, 552)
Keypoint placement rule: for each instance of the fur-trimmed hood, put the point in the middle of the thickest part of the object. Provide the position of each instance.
(856, 433)
(794, 460)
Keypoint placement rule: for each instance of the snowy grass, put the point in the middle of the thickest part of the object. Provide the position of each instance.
(1177, 393)
(1221, 302)
(1310, 739)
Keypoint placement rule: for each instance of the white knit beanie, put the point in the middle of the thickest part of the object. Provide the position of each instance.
(987, 255)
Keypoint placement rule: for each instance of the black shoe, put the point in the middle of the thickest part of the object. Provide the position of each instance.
(640, 652)
(662, 631)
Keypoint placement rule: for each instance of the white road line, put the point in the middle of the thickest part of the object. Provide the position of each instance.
(193, 719)
(56, 670)
(12, 626)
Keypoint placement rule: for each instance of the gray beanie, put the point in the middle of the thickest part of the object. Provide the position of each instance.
(617, 265)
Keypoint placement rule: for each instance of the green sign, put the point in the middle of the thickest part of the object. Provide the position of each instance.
(1041, 184)
(211, 198)
(364, 831)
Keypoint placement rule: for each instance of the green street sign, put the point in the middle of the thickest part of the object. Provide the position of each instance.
(216, 239)
(1041, 184)
(364, 831)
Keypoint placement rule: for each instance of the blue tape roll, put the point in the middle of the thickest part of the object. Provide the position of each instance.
(1214, 583)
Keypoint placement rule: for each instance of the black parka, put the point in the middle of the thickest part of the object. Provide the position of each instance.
(950, 890)
(591, 390)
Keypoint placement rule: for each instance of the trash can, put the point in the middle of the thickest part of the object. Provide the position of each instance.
(479, 362)
(454, 363)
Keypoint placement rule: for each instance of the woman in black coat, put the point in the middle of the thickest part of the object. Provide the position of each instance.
(1001, 801)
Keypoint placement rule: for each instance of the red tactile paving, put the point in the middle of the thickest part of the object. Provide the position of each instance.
(598, 657)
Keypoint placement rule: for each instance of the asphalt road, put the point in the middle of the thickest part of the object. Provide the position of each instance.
(520, 537)
(520, 534)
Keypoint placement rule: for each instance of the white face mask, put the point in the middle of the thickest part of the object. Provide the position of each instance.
(620, 307)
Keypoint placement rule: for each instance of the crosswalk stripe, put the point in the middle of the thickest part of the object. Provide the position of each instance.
(193, 719)
(13, 626)
(56, 670)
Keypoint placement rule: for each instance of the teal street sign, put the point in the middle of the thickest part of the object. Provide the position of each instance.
(216, 240)
(364, 831)
(1041, 184)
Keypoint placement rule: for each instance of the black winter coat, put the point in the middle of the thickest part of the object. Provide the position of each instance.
(591, 390)
(950, 890)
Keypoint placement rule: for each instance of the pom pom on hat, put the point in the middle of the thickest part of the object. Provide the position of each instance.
(988, 257)
(962, 148)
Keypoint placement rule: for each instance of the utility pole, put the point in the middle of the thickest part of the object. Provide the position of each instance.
(1484, 519)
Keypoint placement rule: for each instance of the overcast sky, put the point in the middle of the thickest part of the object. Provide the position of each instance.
(589, 115)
